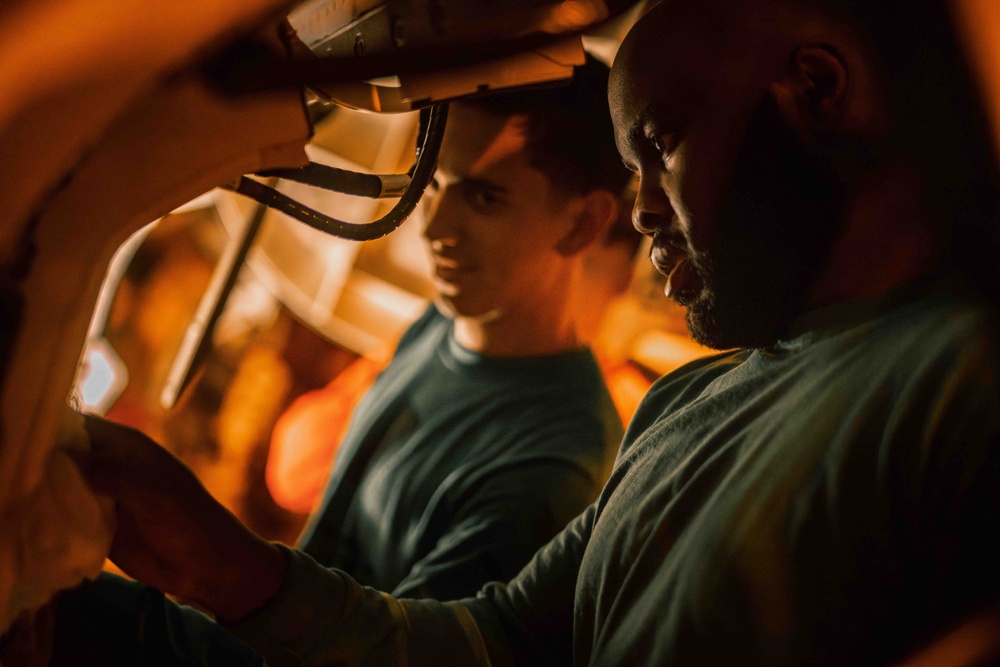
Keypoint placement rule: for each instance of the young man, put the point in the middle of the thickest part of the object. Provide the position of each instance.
(820, 191)
(491, 428)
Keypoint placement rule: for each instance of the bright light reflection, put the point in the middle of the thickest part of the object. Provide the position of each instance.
(102, 378)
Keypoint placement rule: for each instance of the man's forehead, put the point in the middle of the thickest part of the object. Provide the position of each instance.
(480, 144)
(666, 83)
(669, 45)
(677, 56)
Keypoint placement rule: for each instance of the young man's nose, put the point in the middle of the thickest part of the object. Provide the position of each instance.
(652, 209)
(441, 224)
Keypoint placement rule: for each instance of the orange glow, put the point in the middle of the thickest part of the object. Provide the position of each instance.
(980, 21)
(627, 385)
(306, 436)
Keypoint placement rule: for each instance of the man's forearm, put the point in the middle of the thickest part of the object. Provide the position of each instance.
(236, 591)
(323, 617)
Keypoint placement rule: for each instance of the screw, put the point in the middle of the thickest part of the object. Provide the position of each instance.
(398, 32)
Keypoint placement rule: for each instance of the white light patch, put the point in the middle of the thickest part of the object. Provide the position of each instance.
(102, 378)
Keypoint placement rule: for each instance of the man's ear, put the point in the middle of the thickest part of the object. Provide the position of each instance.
(813, 94)
(598, 209)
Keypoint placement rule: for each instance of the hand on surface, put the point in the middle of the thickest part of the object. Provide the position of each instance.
(28, 643)
(172, 534)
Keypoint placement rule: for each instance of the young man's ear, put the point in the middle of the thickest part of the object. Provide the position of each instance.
(598, 209)
(813, 94)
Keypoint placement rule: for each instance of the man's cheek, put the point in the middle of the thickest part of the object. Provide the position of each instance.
(694, 221)
(681, 184)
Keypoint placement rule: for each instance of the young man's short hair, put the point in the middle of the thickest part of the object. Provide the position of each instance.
(570, 135)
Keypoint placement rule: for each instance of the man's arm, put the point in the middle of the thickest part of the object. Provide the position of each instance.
(321, 616)
(173, 535)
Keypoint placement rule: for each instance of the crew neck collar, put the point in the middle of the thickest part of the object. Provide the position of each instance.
(460, 357)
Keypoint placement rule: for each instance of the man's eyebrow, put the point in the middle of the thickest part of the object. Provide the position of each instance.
(635, 136)
(637, 132)
(458, 178)
(484, 184)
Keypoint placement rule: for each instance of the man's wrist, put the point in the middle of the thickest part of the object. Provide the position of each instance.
(253, 583)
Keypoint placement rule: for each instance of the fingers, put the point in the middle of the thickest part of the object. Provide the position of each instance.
(125, 443)
(29, 640)
(104, 473)
(109, 437)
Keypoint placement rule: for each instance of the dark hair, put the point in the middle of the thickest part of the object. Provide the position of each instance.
(570, 136)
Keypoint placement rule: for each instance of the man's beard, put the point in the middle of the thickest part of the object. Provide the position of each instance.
(784, 209)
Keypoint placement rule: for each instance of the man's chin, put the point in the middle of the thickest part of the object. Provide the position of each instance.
(703, 327)
(700, 317)
(739, 324)
(445, 306)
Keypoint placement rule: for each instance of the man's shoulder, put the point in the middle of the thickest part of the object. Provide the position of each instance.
(693, 376)
(947, 325)
(682, 386)
(430, 323)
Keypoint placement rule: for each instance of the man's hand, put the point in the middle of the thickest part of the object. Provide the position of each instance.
(171, 533)
(28, 643)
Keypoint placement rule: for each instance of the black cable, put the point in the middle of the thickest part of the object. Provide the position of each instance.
(373, 186)
(433, 123)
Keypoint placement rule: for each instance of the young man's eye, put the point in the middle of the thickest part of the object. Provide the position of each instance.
(484, 198)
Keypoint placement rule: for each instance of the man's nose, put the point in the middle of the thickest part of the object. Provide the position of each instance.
(652, 209)
(440, 222)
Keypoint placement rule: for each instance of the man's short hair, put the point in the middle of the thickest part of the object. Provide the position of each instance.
(570, 135)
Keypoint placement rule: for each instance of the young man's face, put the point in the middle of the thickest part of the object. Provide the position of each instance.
(493, 221)
(741, 216)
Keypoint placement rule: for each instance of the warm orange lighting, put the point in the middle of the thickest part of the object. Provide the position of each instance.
(979, 21)
(573, 15)
(627, 386)
(306, 436)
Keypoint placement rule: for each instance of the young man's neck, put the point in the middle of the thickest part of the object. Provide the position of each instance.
(512, 334)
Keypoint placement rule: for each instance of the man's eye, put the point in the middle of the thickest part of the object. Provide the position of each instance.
(484, 198)
(664, 144)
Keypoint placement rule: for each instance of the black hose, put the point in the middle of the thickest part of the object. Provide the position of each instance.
(433, 122)
(373, 186)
